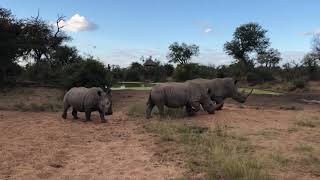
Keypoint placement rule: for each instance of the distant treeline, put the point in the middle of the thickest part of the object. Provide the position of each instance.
(43, 48)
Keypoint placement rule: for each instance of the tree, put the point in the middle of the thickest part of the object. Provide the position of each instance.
(169, 69)
(316, 45)
(64, 55)
(43, 38)
(311, 62)
(182, 53)
(12, 43)
(247, 38)
(88, 73)
(270, 58)
(135, 72)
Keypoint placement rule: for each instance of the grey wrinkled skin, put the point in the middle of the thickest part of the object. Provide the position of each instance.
(222, 88)
(87, 100)
(175, 95)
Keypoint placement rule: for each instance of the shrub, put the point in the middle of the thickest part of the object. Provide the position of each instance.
(88, 73)
(260, 75)
(299, 83)
(185, 72)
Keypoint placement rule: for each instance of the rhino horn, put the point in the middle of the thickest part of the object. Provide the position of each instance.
(249, 93)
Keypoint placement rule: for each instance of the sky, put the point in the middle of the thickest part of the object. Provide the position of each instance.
(121, 31)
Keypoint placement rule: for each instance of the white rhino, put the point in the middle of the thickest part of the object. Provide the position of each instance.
(87, 100)
(175, 95)
(222, 88)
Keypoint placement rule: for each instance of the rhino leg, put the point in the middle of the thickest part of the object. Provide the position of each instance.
(75, 114)
(161, 110)
(103, 120)
(190, 111)
(66, 106)
(219, 103)
(149, 110)
(88, 115)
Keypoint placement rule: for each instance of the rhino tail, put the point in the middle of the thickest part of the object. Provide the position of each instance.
(149, 99)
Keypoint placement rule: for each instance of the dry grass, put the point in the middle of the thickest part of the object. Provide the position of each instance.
(138, 110)
(31, 99)
(304, 148)
(214, 152)
(306, 123)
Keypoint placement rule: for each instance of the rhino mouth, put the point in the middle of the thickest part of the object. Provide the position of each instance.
(242, 97)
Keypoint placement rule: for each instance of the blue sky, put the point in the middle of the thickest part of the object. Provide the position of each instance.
(120, 31)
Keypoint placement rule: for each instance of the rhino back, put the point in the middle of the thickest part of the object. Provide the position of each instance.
(75, 97)
(205, 84)
(92, 98)
(196, 90)
(170, 94)
(223, 87)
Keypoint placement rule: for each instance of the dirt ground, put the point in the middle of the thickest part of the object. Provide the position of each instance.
(41, 145)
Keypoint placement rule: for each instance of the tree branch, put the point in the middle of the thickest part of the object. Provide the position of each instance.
(60, 18)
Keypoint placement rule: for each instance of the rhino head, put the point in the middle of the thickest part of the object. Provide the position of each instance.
(206, 102)
(241, 97)
(203, 100)
(105, 103)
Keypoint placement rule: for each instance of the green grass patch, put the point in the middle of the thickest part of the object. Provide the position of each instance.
(260, 91)
(132, 88)
(213, 152)
(138, 86)
(142, 86)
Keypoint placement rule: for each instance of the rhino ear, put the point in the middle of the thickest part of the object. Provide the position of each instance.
(235, 82)
(108, 91)
(99, 93)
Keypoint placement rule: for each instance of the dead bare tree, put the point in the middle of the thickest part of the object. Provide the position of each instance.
(60, 18)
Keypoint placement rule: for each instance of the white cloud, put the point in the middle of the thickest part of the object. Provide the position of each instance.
(312, 33)
(206, 26)
(77, 23)
(207, 30)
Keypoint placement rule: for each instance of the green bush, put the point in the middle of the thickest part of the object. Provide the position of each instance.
(260, 76)
(88, 73)
(299, 83)
(185, 72)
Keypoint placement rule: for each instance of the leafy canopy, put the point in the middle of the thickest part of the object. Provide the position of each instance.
(182, 53)
(247, 38)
